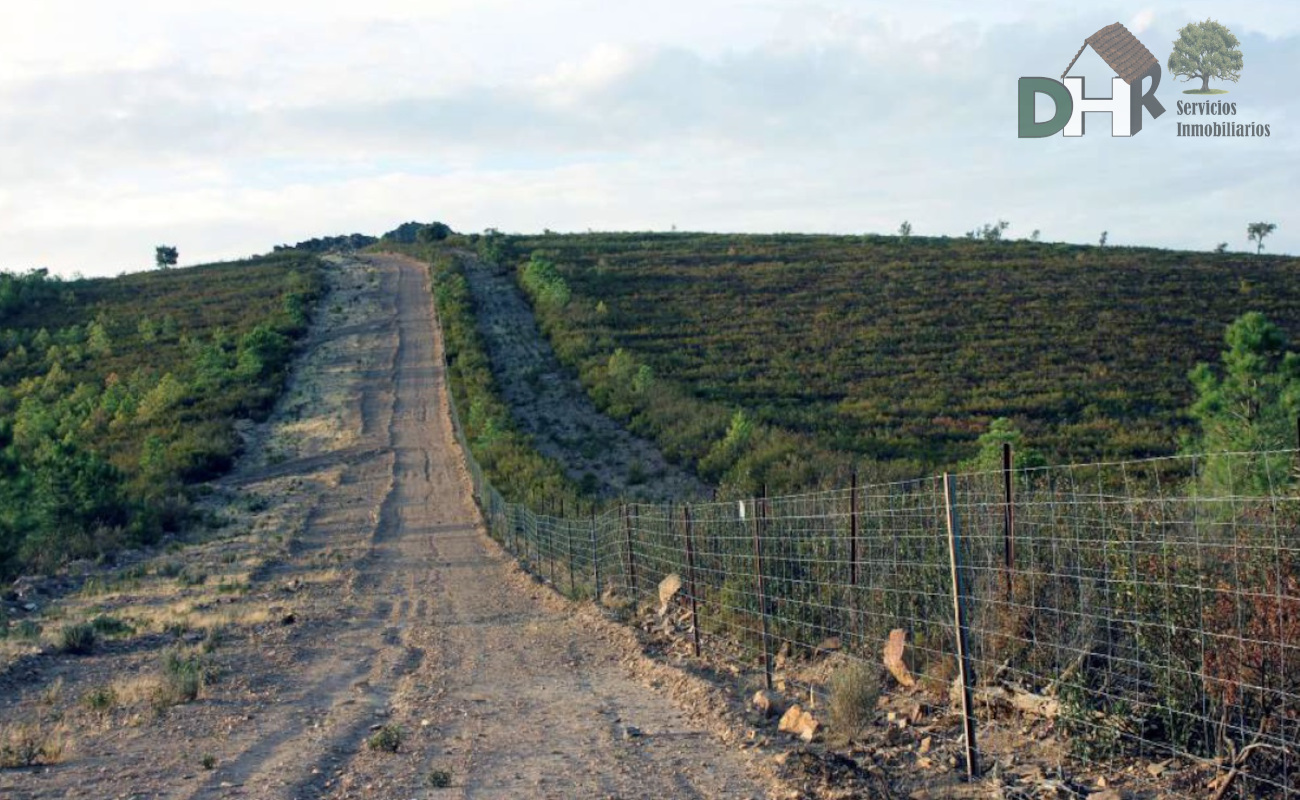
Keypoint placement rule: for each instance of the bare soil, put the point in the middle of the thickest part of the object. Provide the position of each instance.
(346, 589)
(549, 403)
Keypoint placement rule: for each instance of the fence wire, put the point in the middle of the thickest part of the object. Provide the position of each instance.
(1136, 612)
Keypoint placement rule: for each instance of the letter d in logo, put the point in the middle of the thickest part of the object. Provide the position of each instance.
(1028, 89)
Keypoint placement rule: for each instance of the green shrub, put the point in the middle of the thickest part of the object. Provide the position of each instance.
(78, 639)
(183, 678)
(105, 625)
(28, 630)
(192, 576)
(440, 778)
(388, 739)
(101, 699)
(169, 568)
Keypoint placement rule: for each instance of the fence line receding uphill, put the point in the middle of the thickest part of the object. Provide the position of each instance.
(1137, 613)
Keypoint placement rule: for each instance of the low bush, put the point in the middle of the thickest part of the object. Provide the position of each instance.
(77, 639)
(854, 689)
(388, 739)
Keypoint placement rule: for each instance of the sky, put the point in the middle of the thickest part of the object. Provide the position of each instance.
(225, 128)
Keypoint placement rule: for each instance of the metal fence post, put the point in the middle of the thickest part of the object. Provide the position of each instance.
(959, 618)
(690, 578)
(568, 546)
(595, 556)
(759, 518)
(1008, 517)
(550, 541)
(631, 552)
(853, 528)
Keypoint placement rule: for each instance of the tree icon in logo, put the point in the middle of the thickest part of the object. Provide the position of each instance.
(1206, 50)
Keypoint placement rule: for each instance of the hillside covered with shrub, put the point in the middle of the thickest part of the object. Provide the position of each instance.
(736, 351)
(116, 393)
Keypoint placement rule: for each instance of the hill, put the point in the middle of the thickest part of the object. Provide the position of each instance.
(116, 393)
(898, 350)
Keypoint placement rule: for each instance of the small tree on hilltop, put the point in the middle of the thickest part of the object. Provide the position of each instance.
(165, 256)
(1256, 231)
(1206, 50)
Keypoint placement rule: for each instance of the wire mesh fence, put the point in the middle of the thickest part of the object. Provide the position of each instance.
(1141, 611)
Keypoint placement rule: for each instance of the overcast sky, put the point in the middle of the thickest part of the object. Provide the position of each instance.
(227, 127)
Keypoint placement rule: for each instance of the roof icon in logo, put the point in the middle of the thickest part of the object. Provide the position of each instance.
(1121, 50)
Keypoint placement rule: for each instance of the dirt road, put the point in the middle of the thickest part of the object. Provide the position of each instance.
(404, 614)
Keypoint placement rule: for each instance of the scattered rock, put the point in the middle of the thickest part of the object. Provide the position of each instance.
(668, 588)
(288, 619)
(766, 702)
(611, 599)
(800, 723)
(893, 656)
(631, 732)
(1157, 770)
(925, 745)
(1109, 794)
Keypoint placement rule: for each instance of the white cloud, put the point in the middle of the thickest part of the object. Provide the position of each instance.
(226, 127)
(1142, 20)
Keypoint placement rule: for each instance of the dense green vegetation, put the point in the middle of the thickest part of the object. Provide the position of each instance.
(114, 394)
(902, 350)
(1252, 406)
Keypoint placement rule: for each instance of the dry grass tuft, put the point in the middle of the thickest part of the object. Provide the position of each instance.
(854, 690)
(35, 743)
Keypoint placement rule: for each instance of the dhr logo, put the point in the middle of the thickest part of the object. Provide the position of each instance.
(1131, 61)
